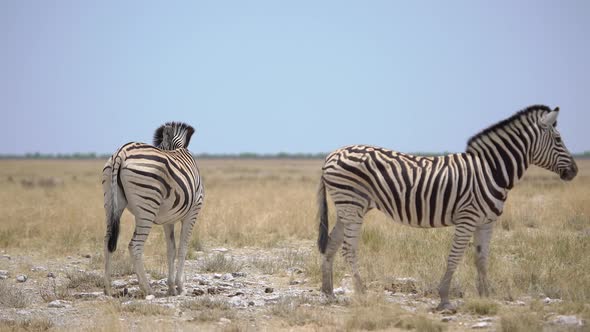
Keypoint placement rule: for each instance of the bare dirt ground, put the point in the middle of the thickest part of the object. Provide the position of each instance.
(254, 289)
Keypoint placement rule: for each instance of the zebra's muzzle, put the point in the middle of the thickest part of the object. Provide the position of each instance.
(570, 173)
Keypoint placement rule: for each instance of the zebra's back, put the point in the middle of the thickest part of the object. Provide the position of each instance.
(415, 190)
(162, 183)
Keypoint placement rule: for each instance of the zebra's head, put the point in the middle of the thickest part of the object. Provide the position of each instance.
(549, 151)
(173, 135)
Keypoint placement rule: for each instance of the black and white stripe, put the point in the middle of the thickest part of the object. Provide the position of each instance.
(466, 190)
(160, 185)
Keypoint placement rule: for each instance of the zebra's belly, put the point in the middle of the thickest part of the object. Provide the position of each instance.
(425, 220)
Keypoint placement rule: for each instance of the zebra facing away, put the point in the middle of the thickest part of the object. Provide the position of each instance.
(466, 190)
(160, 185)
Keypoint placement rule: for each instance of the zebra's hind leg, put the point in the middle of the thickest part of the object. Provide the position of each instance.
(463, 233)
(334, 242)
(483, 235)
(185, 236)
(171, 255)
(142, 230)
(353, 220)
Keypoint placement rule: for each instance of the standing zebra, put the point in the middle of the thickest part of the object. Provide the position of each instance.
(466, 190)
(160, 185)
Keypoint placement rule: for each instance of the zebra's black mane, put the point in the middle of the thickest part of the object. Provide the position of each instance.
(178, 127)
(501, 124)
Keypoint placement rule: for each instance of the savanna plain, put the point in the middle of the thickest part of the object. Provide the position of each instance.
(253, 263)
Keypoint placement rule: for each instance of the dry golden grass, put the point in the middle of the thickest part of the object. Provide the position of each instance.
(539, 248)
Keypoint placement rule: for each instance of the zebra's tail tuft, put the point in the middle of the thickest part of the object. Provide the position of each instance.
(114, 215)
(323, 236)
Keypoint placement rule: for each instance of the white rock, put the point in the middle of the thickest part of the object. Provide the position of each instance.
(227, 277)
(59, 304)
(567, 320)
(21, 278)
(339, 291)
(150, 297)
(133, 281)
(549, 300)
(3, 273)
(224, 320)
(217, 275)
(3, 276)
(220, 249)
(481, 325)
(119, 283)
(38, 268)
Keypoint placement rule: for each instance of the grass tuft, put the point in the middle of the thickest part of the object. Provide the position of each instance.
(12, 296)
(481, 306)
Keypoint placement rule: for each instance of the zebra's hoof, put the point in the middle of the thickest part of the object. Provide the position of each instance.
(446, 308)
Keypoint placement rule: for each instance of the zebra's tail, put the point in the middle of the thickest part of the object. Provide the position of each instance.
(322, 217)
(114, 215)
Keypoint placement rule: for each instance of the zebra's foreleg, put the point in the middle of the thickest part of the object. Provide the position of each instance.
(185, 236)
(463, 233)
(140, 235)
(334, 242)
(171, 255)
(483, 235)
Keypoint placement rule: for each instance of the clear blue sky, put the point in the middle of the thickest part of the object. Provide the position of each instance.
(292, 76)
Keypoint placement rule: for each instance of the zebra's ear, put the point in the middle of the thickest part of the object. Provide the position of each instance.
(550, 118)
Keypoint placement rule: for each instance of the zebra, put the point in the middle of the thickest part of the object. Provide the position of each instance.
(466, 190)
(160, 185)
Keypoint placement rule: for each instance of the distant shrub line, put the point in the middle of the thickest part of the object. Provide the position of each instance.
(243, 155)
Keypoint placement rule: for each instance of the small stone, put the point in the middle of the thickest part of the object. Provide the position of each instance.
(59, 304)
(119, 283)
(238, 293)
(269, 290)
(133, 281)
(447, 319)
(150, 297)
(251, 303)
(3, 276)
(485, 319)
(201, 280)
(481, 325)
(217, 275)
(38, 268)
(198, 292)
(224, 320)
(520, 303)
(227, 277)
(295, 282)
(567, 320)
(86, 256)
(4, 273)
(238, 274)
(5, 256)
(88, 295)
(213, 290)
(220, 249)
(21, 278)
